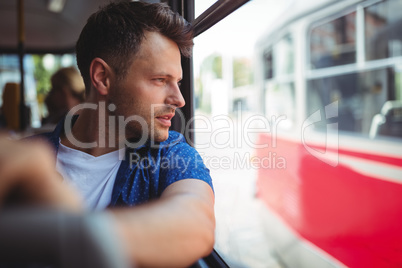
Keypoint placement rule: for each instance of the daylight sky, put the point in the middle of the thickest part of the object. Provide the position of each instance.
(242, 28)
(237, 34)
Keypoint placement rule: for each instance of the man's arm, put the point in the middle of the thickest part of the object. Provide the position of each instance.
(28, 177)
(173, 231)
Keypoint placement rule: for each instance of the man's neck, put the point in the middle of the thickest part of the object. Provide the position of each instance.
(90, 134)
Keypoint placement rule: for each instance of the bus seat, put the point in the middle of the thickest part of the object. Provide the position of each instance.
(389, 121)
(11, 105)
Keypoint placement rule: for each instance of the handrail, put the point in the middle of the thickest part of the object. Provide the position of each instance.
(215, 13)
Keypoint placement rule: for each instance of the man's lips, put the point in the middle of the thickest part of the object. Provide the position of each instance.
(165, 119)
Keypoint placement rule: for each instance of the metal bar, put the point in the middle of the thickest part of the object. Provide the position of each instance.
(353, 68)
(186, 9)
(21, 44)
(360, 36)
(215, 13)
(34, 50)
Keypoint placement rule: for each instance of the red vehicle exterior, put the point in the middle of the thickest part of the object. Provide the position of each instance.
(349, 212)
(340, 191)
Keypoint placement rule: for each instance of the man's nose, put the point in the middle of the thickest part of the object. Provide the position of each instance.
(175, 97)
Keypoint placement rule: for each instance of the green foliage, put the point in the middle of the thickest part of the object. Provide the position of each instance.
(217, 66)
(242, 72)
(42, 76)
(212, 64)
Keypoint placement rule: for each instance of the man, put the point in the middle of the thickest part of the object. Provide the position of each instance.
(119, 151)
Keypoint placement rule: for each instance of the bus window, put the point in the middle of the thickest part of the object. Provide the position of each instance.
(279, 85)
(10, 73)
(229, 118)
(268, 65)
(383, 35)
(284, 61)
(280, 103)
(334, 43)
(361, 96)
(38, 70)
(44, 67)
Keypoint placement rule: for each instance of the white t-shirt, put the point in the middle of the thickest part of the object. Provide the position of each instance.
(92, 176)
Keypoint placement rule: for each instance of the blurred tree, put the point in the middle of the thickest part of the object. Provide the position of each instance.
(212, 64)
(242, 72)
(211, 67)
(42, 76)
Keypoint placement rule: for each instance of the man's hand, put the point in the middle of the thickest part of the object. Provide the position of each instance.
(173, 231)
(28, 176)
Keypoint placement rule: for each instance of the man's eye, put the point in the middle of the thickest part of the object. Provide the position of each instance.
(160, 80)
(179, 84)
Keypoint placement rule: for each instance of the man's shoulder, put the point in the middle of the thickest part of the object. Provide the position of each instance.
(50, 137)
(175, 144)
(40, 136)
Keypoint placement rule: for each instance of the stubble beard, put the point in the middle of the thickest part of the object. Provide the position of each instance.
(133, 129)
(154, 132)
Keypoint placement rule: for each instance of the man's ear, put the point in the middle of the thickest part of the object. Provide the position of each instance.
(100, 74)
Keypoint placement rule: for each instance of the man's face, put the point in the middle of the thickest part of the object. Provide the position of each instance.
(150, 89)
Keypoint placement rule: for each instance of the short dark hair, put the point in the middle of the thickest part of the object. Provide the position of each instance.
(115, 33)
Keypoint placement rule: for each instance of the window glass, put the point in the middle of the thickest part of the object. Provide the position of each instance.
(38, 70)
(268, 64)
(229, 117)
(383, 35)
(369, 103)
(284, 60)
(334, 43)
(10, 73)
(280, 103)
(202, 6)
(279, 96)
